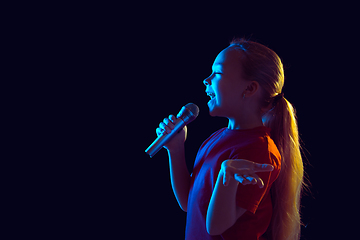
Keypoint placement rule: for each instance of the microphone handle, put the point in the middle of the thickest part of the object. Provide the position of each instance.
(162, 139)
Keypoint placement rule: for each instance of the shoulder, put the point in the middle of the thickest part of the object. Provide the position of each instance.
(260, 149)
(258, 142)
(213, 136)
(217, 133)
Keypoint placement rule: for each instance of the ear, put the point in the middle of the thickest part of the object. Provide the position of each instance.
(251, 89)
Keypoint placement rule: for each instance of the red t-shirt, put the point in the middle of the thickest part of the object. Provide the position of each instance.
(250, 144)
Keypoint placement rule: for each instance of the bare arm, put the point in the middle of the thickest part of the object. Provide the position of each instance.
(180, 177)
(222, 210)
(179, 174)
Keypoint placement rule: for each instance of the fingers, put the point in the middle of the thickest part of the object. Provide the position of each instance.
(246, 180)
(159, 131)
(263, 167)
(255, 179)
(244, 171)
(260, 182)
(247, 176)
(241, 175)
(172, 118)
(256, 167)
(166, 126)
(241, 179)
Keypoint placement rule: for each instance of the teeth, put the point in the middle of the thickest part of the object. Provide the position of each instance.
(211, 95)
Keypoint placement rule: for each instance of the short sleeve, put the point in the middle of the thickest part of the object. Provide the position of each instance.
(250, 196)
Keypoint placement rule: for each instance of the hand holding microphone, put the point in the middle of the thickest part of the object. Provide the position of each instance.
(166, 127)
(172, 131)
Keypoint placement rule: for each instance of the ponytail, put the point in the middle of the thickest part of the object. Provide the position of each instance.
(286, 190)
(260, 63)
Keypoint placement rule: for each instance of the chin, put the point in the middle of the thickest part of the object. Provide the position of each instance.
(215, 112)
(212, 113)
(214, 109)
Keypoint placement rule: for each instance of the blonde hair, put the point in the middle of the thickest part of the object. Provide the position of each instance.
(261, 64)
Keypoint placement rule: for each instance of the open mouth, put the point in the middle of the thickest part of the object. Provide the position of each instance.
(211, 95)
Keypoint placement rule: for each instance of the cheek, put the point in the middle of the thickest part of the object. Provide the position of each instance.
(225, 95)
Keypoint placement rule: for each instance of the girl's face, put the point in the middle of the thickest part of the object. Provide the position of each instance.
(225, 85)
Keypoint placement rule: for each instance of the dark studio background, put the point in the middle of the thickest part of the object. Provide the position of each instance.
(114, 72)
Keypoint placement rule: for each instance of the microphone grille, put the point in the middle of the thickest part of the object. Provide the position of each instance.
(193, 108)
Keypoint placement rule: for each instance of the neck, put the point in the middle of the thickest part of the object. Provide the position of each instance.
(245, 123)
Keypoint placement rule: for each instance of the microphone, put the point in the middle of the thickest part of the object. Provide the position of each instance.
(187, 114)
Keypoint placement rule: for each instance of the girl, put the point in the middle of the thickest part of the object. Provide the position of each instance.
(226, 196)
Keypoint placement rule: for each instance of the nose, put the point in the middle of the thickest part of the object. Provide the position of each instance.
(207, 81)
